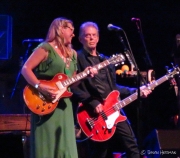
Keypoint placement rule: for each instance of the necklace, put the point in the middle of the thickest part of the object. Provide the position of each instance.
(66, 60)
(56, 47)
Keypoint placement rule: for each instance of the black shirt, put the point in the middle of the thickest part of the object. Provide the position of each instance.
(101, 79)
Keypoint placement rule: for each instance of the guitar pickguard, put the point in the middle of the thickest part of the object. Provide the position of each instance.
(111, 119)
(60, 92)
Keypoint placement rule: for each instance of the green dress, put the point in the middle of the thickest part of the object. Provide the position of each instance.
(53, 135)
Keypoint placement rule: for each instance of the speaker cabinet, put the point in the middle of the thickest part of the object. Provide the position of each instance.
(5, 36)
(162, 144)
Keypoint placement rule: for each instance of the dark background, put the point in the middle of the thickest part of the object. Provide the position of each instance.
(160, 23)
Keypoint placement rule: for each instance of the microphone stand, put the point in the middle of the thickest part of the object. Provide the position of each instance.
(127, 53)
(139, 28)
(19, 73)
(132, 61)
(149, 65)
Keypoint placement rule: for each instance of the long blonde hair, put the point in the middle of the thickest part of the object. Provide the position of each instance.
(55, 34)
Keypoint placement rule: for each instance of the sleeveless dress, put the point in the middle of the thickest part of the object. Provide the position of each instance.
(53, 135)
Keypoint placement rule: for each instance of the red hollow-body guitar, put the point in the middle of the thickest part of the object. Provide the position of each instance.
(101, 127)
(41, 105)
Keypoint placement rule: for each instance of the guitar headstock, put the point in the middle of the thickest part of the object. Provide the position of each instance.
(116, 59)
(172, 72)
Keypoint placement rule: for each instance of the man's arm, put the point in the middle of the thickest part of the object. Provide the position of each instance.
(84, 96)
(125, 91)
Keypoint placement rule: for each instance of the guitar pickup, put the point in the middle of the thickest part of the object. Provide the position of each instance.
(90, 123)
(41, 96)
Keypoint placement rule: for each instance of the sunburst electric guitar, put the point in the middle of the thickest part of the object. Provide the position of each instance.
(102, 127)
(41, 105)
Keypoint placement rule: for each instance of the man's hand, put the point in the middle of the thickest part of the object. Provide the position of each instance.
(145, 91)
(99, 108)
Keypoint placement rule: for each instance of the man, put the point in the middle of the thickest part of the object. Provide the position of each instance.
(92, 92)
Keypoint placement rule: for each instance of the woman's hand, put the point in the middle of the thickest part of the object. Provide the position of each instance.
(48, 91)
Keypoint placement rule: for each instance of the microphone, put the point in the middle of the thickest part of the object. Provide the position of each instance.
(112, 27)
(135, 19)
(33, 40)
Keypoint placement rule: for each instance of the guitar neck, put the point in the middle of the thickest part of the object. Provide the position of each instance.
(134, 96)
(83, 74)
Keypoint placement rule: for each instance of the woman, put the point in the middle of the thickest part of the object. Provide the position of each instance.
(53, 135)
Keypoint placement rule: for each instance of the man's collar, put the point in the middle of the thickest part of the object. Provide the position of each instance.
(88, 52)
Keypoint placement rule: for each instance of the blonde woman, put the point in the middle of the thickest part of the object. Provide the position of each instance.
(53, 135)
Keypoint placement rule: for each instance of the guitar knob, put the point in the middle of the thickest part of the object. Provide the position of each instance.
(60, 77)
(38, 106)
(97, 131)
(49, 106)
(43, 109)
(109, 130)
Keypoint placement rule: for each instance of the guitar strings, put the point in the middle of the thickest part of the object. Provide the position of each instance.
(113, 108)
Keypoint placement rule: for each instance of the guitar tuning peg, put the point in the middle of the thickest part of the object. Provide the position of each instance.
(173, 65)
(167, 68)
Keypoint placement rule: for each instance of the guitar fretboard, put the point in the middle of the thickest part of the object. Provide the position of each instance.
(134, 96)
(113, 60)
(83, 74)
